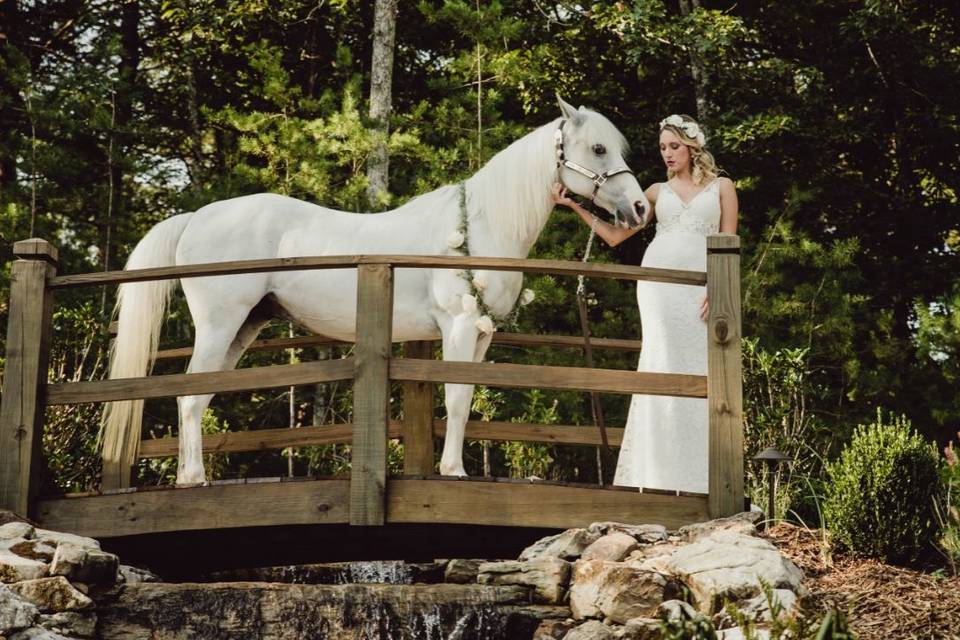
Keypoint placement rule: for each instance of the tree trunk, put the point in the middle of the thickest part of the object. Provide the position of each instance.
(381, 78)
(697, 71)
(122, 119)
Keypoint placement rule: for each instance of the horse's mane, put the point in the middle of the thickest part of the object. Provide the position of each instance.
(513, 188)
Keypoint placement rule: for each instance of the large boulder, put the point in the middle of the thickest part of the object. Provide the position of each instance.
(727, 565)
(645, 533)
(90, 566)
(590, 630)
(744, 523)
(547, 576)
(460, 571)
(51, 595)
(567, 545)
(15, 612)
(614, 590)
(614, 546)
(15, 568)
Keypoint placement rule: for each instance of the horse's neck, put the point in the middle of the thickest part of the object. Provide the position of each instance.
(512, 192)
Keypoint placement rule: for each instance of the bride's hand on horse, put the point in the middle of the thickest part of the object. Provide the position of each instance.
(559, 195)
(704, 309)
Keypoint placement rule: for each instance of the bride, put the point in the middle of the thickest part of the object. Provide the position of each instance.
(665, 440)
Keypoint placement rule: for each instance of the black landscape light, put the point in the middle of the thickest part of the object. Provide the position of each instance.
(772, 458)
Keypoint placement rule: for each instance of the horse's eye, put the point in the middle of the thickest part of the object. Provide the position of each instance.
(599, 149)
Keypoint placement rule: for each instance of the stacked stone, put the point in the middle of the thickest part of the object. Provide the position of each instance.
(46, 578)
(621, 580)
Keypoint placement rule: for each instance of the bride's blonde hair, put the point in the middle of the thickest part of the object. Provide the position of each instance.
(703, 166)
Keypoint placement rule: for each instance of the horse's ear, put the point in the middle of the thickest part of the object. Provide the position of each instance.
(568, 110)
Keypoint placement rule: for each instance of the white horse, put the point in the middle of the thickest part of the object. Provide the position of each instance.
(507, 204)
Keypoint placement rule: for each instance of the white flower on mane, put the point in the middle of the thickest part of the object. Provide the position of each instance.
(485, 325)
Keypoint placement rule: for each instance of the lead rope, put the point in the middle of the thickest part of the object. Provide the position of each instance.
(588, 352)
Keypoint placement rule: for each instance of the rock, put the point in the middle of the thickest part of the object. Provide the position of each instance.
(13, 530)
(552, 629)
(71, 623)
(135, 575)
(14, 568)
(674, 610)
(52, 594)
(90, 566)
(38, 633)
(566, 546)
(726, 565)
(15, 612)
(56, 537)
(646, 533)
(590, 630)
(757, 608)
(744, 523)
(548, 576)
(653, 557)
(613, 546)
(737, 634)
(34, 550)
(614, 590)
(462, 571)
(640, 629)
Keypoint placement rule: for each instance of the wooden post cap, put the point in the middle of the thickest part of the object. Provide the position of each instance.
(723, 243)
(36, 249)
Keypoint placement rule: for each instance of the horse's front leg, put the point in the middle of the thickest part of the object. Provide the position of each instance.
(460, 343)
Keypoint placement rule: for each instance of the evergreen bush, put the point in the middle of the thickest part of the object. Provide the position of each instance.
(883, 492)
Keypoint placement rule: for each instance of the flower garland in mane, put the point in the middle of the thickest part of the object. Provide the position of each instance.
(473, 301)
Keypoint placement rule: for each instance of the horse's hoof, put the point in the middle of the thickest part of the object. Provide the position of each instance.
(458, 472)
(190, 482)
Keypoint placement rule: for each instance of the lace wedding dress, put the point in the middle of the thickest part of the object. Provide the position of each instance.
(665, 440)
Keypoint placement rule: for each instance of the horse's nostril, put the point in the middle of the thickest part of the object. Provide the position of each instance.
(638, 207)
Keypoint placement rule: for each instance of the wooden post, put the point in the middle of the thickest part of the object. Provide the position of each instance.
(418, 416)
(25, 373)
(724, 386)
(371, 395)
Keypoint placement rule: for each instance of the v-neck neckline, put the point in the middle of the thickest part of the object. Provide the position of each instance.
(688, 203)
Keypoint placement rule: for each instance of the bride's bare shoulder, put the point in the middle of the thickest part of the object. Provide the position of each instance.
(653, 191)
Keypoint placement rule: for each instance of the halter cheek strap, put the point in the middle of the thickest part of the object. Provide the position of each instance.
(598, 178)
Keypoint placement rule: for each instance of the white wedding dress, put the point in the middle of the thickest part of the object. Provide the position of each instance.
(665, 440)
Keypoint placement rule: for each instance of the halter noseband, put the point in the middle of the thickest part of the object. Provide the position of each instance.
(598, 178)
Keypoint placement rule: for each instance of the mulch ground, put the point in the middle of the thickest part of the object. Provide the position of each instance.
(885, 602)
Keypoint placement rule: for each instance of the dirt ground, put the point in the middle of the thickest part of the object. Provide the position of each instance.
(885, 602)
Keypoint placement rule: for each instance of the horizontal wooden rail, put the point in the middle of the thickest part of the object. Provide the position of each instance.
(501, 339)
(183, 384)
(342, 433)
(554, 267)
(541, 377)
(515, 503)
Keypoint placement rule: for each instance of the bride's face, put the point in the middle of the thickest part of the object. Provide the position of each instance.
(675, 154)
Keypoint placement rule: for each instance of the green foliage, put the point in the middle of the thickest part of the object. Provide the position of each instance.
(883, 491)
(782, 624)
(164, 470)
(526, 459)
(948, 511)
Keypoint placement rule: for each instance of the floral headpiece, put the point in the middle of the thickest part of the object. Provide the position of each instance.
(690, 128)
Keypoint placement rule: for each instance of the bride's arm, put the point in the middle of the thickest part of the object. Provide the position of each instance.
(611, 234)
(729, 206)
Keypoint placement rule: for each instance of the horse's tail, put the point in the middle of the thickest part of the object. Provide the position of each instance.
(140, 310)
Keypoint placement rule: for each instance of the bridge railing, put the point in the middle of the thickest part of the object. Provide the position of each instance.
(26, 390)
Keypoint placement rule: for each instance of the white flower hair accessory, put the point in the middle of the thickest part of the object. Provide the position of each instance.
(690, 129)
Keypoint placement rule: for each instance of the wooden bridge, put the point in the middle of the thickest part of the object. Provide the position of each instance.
(368, 497)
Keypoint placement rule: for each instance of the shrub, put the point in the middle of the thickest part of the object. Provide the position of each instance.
(883, 492)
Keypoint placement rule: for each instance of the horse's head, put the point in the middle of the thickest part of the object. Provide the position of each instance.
(590, 163)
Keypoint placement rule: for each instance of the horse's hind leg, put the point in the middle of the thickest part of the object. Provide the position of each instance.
(218, 345)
